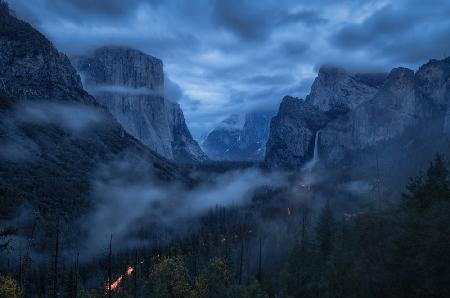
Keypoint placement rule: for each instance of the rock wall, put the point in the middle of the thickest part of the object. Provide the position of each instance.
(239, 137)
(53, 135)
(130, 84)
(360, 111)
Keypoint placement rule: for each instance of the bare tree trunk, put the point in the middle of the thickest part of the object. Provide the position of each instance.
(55, 269)
(260, 261)
(20, 265)
(26, 260)
(76, 275)
(135, 272)
(241, 259)
(109, 268)
(304, 233)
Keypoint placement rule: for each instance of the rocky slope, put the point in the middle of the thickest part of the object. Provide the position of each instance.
(54, 136)
(239, 137)
(358, 111)
(292, 133)
(335, 89)
(130, 84)
(223, 138)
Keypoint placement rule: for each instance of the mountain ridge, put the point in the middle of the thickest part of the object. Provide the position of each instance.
(58, 132)
(358, 113)
(130, 84)
(239, 137)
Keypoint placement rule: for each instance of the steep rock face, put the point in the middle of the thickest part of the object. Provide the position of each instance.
(32, 68)
(432, 82)
(254, 134)
(389, 112)
(223, 138)
(130, 84)
(363, 111)
(335, 89)
(292, 133)
(240, 137)
(184, 148)
(385, 116)
(432, 87)
(53, 134)
(115, 66)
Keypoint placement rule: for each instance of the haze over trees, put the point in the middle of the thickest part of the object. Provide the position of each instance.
(105, 193)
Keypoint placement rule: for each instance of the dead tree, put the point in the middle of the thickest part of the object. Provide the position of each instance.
(109, 268)
(55, 262)
(75, 286)
(260, 261)
(241, 257)
(135, 272)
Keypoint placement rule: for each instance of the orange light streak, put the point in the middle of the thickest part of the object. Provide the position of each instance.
(115, 285)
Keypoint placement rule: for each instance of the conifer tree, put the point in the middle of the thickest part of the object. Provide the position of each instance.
(325, 230)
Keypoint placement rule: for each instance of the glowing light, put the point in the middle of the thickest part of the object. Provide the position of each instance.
(130, 270)
(115, 285)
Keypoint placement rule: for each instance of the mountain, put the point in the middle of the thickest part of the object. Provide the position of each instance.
(223, 138)
(239, 137)
(292, 132)
(54, 136)
(130, 84)
(350, 112)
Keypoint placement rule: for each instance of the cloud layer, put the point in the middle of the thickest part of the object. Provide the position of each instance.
(233, 56)
(126, 198)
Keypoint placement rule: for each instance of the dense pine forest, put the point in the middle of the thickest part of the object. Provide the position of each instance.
(386, 249)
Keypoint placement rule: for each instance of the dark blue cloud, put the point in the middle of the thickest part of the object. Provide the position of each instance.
(403, 32)
(256, 20)
(229, 56)
(307, 17)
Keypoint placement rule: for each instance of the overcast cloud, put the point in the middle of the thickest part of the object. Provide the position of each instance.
(226, 56)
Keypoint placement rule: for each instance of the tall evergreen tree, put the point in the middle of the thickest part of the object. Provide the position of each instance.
(325, 230)
(171, 279)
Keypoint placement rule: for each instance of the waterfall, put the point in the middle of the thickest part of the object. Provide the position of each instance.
(308, 175)
(316, 149)
(312, 163)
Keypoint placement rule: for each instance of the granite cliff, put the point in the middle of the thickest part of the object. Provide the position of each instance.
(354, 112)
(54, 136)
(130, 84)
(239, 137)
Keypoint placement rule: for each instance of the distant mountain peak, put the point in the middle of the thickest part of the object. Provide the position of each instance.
(239, 137)
(232, 122)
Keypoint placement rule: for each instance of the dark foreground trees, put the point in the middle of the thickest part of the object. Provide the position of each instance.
(396, 250)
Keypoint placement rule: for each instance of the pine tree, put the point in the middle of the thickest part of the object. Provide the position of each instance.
(4, 8)
(7, 232)
(421, 252)
(8, 287)
(299, 275)
(5, 235)
(217, 278)
(424, 191)
(325, 230)
(171, 279)
(71, 288)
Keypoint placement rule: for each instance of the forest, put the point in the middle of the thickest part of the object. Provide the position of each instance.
(224, 149)
(386, 249)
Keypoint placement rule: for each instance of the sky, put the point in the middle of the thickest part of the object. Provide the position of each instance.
(223, 57)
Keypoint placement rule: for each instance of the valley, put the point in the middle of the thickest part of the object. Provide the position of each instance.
(105, 192)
